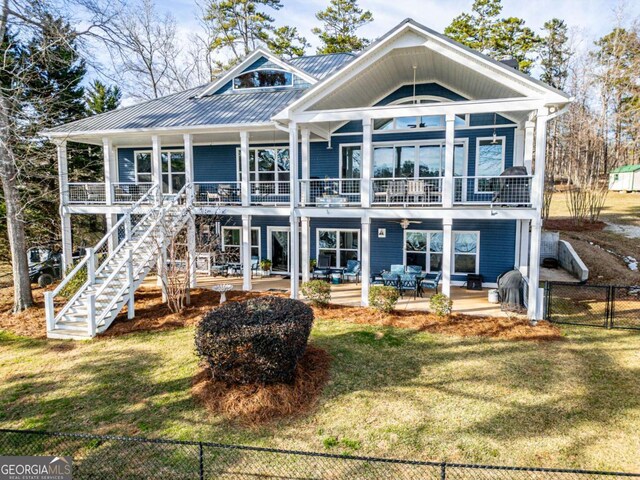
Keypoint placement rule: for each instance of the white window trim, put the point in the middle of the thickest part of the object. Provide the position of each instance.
(501, 138)
(427, 252)
(342, 145)
(135, 165)
(270, 230)
(170, 171)
(453, 251)
(235, 89)
(337, 248)
(233, 227)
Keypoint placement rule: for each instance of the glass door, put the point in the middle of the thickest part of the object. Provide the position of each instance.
(173, 171)
(278, 249)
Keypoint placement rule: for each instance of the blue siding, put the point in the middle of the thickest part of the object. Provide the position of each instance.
(126, 165)
(434, 89)
(214, 163)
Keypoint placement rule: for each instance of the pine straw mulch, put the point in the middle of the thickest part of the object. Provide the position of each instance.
(256, 404)
(566, 224)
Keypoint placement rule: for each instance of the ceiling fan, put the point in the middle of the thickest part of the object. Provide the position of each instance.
(404, 223)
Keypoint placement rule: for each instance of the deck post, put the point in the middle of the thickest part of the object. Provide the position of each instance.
(91, 314)
(191, 222)
(245, 167)
(49, 311)
(109, 169)
(131, 300)
(65, 218)
(447, 254)
(91, 266)
(524, 247)
(246, 253)
(367, 162)
(294, 239)
(305, 149)
(449, 150)
(528, 146)
(156, 165)
(365, 259)
(518, 157)
(305, 248)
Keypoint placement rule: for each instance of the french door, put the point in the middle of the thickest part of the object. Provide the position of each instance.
(278, 240)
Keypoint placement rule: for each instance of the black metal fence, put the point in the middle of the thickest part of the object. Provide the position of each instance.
(607, 306)
(112, 457)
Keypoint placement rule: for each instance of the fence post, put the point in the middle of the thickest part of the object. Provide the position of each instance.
(49, 311)
(91, 314)
(91, 266)
(547, 301)
(611, 303)
(201, 450)
(443, 471)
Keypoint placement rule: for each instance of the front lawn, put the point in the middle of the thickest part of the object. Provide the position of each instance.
(393, 392)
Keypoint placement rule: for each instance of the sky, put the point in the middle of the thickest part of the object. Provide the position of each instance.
(593, 18)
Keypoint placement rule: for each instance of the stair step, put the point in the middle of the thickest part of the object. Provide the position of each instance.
(68, 334)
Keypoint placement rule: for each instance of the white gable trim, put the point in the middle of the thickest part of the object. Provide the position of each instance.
(255, 55)
(503, 74)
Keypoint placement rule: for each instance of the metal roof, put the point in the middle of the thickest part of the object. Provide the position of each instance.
(626, 169)
(320, 66)
(185, 109)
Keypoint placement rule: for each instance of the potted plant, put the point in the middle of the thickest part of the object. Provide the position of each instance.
(265, 265)
(312, 264)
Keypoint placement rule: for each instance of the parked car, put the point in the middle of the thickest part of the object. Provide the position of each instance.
(45, 265)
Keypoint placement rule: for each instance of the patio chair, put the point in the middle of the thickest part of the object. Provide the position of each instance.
(352, 271)
(390, 279)
(220, 195)
(408, 283)
(393, 193)
(322, 271)
(415, 269)
(122, 194)
(431, 284)
(255, 265)
(397, 269)
(416, 190)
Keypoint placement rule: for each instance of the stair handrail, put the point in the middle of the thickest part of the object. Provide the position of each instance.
(136, 246)
(90, 255)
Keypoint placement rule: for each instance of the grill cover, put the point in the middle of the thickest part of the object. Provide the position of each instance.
(510, 288)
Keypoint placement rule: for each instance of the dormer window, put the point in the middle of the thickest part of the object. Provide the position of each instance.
(263, 79)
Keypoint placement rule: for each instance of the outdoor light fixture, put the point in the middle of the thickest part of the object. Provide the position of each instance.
(494, 140)
(329, 146)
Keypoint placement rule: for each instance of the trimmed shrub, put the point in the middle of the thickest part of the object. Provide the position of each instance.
(383, 298)
(441, 305)
(256, 341)
(317, 291)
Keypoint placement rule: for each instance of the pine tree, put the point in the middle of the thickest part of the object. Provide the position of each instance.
(286, 42)
(341, 20)
(101, 98)
(555, 53)
(500, 38)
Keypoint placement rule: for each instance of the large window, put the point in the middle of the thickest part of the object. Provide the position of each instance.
(423, 248)
(143, 167)
(339, 245)
(489, 161)
(232, 243)
(268, 165)
(415, 161)
(263, 79)
(350, 161)
(173, 169)
(466, 247)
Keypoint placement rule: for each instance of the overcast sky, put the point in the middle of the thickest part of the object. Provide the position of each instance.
(593, 18)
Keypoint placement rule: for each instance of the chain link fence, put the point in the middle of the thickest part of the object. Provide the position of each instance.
(112, 457)
(607, 306)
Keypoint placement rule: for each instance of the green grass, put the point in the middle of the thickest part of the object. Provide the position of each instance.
(393, 392)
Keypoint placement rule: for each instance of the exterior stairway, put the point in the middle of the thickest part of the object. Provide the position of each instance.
(108, 281)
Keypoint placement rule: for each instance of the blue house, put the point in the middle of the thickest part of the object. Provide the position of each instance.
(416, 151)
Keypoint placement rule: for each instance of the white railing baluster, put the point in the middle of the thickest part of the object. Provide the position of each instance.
(91, 314)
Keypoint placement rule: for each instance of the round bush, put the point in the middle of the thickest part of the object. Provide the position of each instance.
(256, 341)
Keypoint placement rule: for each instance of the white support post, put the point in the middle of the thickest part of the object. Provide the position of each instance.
(245, 188)
(131, 312)
(534, 270)
(127, 226)
(528, 146)
(65, 218)
(294, 241)
(161, 265)
(191, 248)
(191, 222)
(537, 190)
(524, 247)
(365, 259)
(156, 165)
(246, 253)
(91, 266)
(367, 161)
(449, 146)
(518, 157)
(109, 169)
(447, 255)
(50, 313)
(91, 314)
(306, 165)
(305, 248)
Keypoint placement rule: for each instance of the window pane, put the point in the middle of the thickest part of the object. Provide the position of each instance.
(177, 182)
(143, 161)
(430, 161)
(383, 162)
(283, 160)
(165, 183)
(461, 120)
(347, 255)
(465, 242)
(458, 161)
(351, 158)
(164, 156)
(417, 258)
(465, 264)
(177, 162)
(327, 239)
(405, 161)
(349, 240)
(262, 79)
(266, 160)
(436, 262)
(255, 237)
(432, 121)
(406, 122)
(383, 124)
(231, 236)
(144, 177)
(435, 244)
(416, 242)
(489, 158)
(331, 254)
(255, 252)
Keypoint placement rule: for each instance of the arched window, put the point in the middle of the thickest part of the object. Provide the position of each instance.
(263, 79)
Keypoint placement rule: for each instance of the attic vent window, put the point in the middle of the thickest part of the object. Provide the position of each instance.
(263, 79)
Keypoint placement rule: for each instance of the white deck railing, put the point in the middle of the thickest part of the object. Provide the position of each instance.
(425, 191)
(217, 193)
(481, 190)
(87, 193)
(270, 193)
(129, 192)
(330, 192)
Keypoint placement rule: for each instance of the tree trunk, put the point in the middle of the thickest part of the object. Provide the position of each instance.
(22, 298)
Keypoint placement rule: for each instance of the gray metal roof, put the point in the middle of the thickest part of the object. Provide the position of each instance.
(320, 66)
(184, 109)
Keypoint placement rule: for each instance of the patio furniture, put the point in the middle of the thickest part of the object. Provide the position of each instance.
(408, 283)
(416, 190)
(235, 269)
(431, 284)
(397, 269)
(352, 271)
(376, 279)
(223, 194)
(121, 194)
(255, 265)
(323, 269)
(336, 276)
(390, 279)
(222, 289)
(393, 193)
(415, 269)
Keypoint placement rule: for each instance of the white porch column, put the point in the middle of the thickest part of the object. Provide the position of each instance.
(449, 145)
(447, 255)
(246, 253)
(534, 270)
(524, 247)
(156, 164)
(65, 218)
(305, 248)
(191, 222)
(527, 150)
(245, 188)
(109, 168)
(518, 157)
(367, 161)
(305, 148)
(294, 241)
(188, 165)
(537, 190)
(365, 259)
